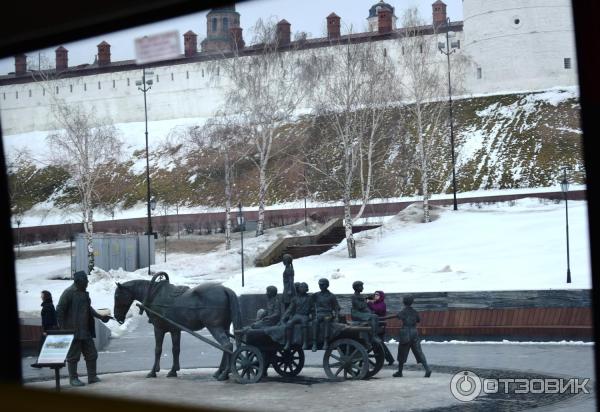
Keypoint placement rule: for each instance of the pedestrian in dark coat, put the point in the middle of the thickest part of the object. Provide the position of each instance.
(48, 313)
(74, 312)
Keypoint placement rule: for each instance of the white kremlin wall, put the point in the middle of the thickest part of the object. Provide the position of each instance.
(179, 91)
(513, 45)
(519, 44)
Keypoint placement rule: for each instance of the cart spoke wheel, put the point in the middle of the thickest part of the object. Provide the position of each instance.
(248, 364)
(346, 355)
(376, 359)
(289, 362)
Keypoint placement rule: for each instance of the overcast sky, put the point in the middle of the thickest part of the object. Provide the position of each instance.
(304, 15)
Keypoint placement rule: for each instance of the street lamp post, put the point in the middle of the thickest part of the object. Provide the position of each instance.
(564, 185)
(305, 213)
(151, 207)
(18, 236)
(241, 221)
(446, 50)
(144, 85)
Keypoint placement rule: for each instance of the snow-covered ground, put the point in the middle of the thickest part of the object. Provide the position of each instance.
(517, 245)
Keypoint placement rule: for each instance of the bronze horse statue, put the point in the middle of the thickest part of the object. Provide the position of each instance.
(209, 305)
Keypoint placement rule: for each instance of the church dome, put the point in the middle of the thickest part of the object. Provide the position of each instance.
(373, 10)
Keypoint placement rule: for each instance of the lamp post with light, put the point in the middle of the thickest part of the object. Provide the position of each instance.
(447, 49)
(144, 85)
(564, 185)
(18, 221)
(241, 221)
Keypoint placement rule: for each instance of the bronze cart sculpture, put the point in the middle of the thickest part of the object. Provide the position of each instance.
(350, 350)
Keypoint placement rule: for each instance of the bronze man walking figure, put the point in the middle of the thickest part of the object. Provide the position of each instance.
(409, 338)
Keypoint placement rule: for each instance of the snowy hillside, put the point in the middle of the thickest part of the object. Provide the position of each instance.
(505, 246)
(502, 142)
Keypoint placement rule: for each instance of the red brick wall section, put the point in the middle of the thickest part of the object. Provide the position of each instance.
(562, 323)
(204, 221)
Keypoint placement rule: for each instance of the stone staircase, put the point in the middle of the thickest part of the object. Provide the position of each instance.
(331, 235)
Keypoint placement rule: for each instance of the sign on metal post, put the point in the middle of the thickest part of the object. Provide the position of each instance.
(157, 47)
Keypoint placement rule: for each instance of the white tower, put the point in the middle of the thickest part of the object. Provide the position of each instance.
(519, 45)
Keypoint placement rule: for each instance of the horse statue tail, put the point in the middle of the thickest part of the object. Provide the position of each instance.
(234, 309)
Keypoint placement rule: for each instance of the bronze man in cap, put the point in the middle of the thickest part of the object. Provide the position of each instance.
(74, 312)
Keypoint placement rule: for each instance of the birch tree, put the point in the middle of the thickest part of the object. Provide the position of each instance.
(84, 147)
(356, 87)
(424, 85)
(227, 139)
(264, 90)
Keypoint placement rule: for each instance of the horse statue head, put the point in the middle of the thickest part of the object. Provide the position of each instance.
(123, 300)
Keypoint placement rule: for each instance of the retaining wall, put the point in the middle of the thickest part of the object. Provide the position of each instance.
(485, 315)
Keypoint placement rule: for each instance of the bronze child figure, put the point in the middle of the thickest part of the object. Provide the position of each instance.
(299, 311)
(272, 314)
(326, 311)
(409, 338)
(360, 310)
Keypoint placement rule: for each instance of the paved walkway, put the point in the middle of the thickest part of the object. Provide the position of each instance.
(133, 352)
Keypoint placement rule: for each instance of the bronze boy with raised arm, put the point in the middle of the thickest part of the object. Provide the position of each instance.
(289, 289)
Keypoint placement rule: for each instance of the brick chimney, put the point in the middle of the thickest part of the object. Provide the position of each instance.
(62, 58)
(236, 38)
(439, 13)
(103, 53)
(384, 20)
(20, 64)
(333, 26)
(283, 33)
(190, 43)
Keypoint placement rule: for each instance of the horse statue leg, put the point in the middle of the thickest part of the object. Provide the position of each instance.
(159, 336)
(220, 336)
(176, 340)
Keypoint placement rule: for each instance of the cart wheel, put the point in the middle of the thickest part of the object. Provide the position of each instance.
(376, 359)
(288, 362)
(347, 356)
(248, 364)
